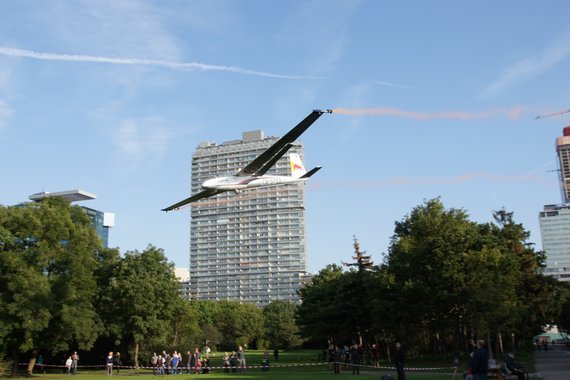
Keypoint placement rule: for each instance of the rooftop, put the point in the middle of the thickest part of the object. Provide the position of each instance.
(70, 195)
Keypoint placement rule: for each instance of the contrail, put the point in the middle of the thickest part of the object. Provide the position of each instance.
(189, 66)
(512, 113)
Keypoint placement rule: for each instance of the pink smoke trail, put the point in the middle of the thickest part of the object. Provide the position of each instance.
(512, 113)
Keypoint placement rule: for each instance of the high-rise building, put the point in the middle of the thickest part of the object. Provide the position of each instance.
(183, 276)
(555, 219)
(102, 221)
(249, 246)
(555, 231)
(563, 151)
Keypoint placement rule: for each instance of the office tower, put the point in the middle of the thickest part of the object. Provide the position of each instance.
(555, 231)
(555, 219)
(249, 246)
(102, 221)
(563, 151)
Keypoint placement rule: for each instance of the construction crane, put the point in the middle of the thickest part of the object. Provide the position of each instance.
(552, 114)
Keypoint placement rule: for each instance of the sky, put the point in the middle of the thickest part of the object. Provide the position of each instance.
(432, 99)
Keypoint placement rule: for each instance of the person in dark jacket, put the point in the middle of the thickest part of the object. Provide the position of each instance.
(117, 361)
(480, 361)
(399, 359)
(514, 367)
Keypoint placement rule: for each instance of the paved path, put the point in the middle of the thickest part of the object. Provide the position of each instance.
(553, 364)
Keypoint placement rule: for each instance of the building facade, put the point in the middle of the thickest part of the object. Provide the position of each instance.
(102, 221)
(250, 246)
(563, 151)
(555, 231)
(555, 219)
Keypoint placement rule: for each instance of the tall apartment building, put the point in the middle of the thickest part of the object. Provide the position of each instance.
(250, 246)
(555, 219)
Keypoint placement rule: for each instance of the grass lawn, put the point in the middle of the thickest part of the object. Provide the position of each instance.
(283, 369)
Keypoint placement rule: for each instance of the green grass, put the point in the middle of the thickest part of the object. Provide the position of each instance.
(314, 372)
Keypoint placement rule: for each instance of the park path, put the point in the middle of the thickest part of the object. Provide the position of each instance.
(553, 364)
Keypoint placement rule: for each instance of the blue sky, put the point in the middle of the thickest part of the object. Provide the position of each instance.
(439, 99)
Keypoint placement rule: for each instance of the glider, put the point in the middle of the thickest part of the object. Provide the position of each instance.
(253, 175)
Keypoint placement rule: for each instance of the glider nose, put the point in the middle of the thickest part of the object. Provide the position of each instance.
(209, 184)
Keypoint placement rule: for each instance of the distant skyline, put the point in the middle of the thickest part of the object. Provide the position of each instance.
(431, 99)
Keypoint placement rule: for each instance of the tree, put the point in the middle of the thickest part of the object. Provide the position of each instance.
(427, 260)
(279, 324)
(239, 324)
(185, 329)
(46, 277)
(320, 314)
(144, 298)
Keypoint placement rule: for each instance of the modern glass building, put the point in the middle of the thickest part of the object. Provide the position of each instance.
(555, 219)
(102, 221)
(555, 231)
(249, 246)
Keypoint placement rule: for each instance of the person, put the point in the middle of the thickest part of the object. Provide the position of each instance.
(336, 357)
(241, 359)
(74, 360)
(265, 361)
(68, 363)
(196, 362)
(117, 361)
(480, 361)
(174, 363)
(206, 364)
(188, 362)
(276, 355)
(154, 362)
(40, 364)
(226, 360)
(374, 353)
(166, 357)
(233, 361)
(399, 359)
(514, 367)
(109, 364)
(355, 359)
(160, 365)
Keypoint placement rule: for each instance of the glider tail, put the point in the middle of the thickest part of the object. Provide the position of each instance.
(297, 167)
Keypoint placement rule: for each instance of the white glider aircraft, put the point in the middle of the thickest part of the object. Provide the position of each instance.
(253, 175)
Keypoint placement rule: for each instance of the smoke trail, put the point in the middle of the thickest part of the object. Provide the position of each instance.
(136, 61)
(512, 113)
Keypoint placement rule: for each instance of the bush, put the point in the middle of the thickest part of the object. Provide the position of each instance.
(5, 367)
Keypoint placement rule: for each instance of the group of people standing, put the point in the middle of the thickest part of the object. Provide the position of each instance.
(196, 362)
(480, 363)
(112, 361)
(354, 356)
(70, 364)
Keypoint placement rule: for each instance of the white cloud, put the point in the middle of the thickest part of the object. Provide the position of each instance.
(389, 84)
(532, 66)
(141, 140)
(5, 113)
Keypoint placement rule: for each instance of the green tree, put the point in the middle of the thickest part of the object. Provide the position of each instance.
(427, 260)
(145, 294)
(322, 311)
(239, 324)
(185, 329)
(279, 325)
(46, 277)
